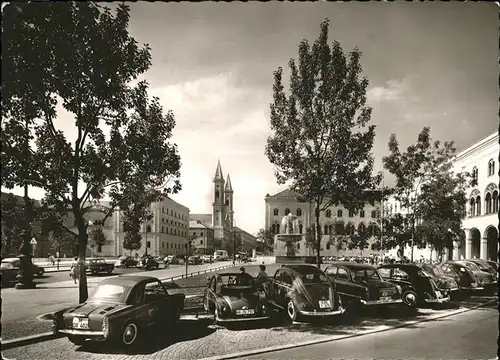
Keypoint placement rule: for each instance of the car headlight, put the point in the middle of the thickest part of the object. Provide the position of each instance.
(105, 326)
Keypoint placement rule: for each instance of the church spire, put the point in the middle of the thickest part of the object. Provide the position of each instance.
(228, 188)
(218, 172)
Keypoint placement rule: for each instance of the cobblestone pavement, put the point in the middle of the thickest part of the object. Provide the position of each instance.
(199, 339)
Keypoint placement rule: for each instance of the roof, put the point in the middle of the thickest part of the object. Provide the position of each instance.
(392, 266)
(300, 268)
(228, 187)
(372, 195)
(197, 224)
(128, 280)
(205, 219)
(218, 172)
(352, 265)
(286, 193)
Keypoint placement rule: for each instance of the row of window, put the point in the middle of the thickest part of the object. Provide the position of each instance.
(174, 213)
(490, 204)
(194, 233)
(173, 245)
(491, 169)
(174, 223)
(328, 213)
(333, 229)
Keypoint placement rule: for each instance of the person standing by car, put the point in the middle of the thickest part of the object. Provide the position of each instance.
(262, 277)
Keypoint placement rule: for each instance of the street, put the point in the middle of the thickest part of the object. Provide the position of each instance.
(470, 335)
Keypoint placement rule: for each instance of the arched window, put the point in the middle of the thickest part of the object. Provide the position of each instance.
(287, 211)
(298, 246)
(339, 213)
(163, 209)
(362, 213)
(325, 230)
(351, 213)
(301, 228)
(201, 242)
(488, 204)
(148, 228)
(217, 195)
(495, 201)
(361, 228)
(339, 228)
(162, 229)
(491, 167)
(299, 212)
(327, 246)
(276, 212)
(330, 229)
(328, 213)
(374, 214)
(475, 173)
(227, 202)
(478, 206)
(472, 207)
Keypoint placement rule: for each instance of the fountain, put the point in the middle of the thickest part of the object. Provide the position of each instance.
(286, 241)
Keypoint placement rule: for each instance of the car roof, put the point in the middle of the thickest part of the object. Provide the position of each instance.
(356, 266)
(128, 280)
(300, 268)
(392, 266)
(9, 259)
(229, 274)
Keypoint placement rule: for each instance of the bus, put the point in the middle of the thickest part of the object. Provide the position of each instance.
(221, 255)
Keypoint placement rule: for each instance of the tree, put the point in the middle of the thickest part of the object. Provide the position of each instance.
(319, 141)
(12, 223)
(97, 238)
(421, 163)
(359, 240)
(339, 241)
(120, 148)
(132, 241)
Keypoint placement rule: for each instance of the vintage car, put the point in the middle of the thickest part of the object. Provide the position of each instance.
(487, 266)
(234, 297)
(442, 280)
(303, 291)
(418, 286)
(12, 265)
(153, 263)
(119, 308)
(470, 277)
(361, 285)
(98, 266)
(486, 277)
(126, 262)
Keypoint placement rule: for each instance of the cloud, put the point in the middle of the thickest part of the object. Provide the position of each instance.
(392, 90)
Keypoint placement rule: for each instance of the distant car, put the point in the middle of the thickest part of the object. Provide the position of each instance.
(469, 276)
(171, 259)
(487, 266)
(153, 263)
(126, 262)
(10, 268)
(361, 285)
(234, 297)
(442, 280)
(195, 260)
(118, 310)
(98, 266)
(418, 286)
(207, 258)
(303, 291)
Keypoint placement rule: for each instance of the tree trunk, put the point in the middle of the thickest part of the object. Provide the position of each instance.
(318, 236)
(83, 289)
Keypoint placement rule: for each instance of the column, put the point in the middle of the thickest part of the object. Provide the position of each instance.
(468, 244)
(484, 249)
(456, 250)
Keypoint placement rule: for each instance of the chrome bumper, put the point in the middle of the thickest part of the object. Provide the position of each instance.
(441, 300)
(243, 319)
(324, 313)
(96, 334)
(378, 302)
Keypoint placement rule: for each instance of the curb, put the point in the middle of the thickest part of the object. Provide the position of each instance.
(338, 337)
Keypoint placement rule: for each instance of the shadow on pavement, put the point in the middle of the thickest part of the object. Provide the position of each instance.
(153, 339)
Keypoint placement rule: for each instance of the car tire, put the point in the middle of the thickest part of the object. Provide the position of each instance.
(291, 310)
(41, 272)
(130, 334)
(409, 298)
(77, 340)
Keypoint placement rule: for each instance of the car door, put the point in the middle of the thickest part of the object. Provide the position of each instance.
(285, 287)
(272, 288)
(210, 292)
(343, 282)
(331, 273)
(140, 312)
(157, 302)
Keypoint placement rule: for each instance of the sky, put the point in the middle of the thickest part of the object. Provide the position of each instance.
(428, 64)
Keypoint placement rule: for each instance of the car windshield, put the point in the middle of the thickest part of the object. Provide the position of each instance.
(313, 277)
(483, 267)
(470, 266)
(433, 270)
(366, 274)
(236, 281)
(109, 292)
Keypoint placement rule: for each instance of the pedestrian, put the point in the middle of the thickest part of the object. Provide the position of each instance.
(75, 269)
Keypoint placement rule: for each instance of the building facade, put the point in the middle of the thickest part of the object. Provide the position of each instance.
(333, 221)
(479, 236)
(222, 218)
(245, 242)
(202, 237)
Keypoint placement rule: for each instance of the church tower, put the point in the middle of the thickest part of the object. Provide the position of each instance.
(228, 202)
(218, 205)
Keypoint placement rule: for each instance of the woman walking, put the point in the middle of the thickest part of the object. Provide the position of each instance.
(75, 269)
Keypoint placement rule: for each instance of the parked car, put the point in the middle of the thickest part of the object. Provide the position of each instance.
(303, 290)
(361, 285)
(418, 286)
(486, 277)
(207, 258)
(195, 260)
(126, 262)
(118, 310)
(442, 280)
(487, 266)
(234, 297)
(98, 266)
(171, 259)
(150, 260)
(470, 278)
(10, 267)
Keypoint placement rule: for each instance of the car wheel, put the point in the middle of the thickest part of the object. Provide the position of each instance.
(129, 334)
(410, 298)
(77, 340)
(291, 311)
(41, 272)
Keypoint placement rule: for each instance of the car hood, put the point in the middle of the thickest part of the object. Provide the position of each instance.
(446, 282)
(484, 277)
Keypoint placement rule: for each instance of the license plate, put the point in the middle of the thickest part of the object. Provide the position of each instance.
(385, 299)
(438, 294)
(245, 312)
(324, 304)
(79, 323)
